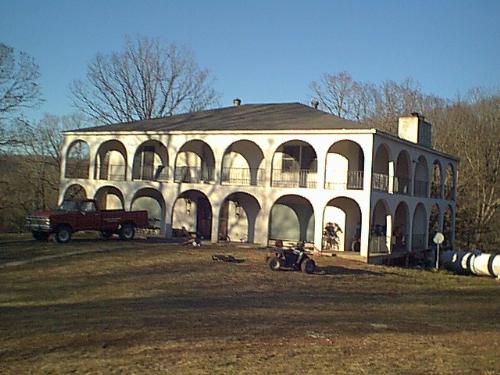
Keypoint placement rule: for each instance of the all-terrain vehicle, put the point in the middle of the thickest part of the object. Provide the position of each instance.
(292, 259)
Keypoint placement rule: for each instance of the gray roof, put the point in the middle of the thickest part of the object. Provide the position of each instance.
(283, 116)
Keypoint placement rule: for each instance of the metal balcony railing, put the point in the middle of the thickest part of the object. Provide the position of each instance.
(193, 175)
(77, 169)
(418, 241)
(435, 190)
(243, 176)
(380, 182)
(449, 192)
(112, 172)
(354, 182)
(402, 185)
(153, 173)
(303, 178)
(421, 188)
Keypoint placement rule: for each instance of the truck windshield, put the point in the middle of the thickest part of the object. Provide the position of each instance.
(69, 206)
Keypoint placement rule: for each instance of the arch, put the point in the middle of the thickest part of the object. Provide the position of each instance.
(434, 226)
(77, 160)
(111, 161)
(291, 219)
(421, 178)
(401, 227)
(75, 192)
(448, 228)
(402, 175)
(381, 228)
(437, 179)
(109, 197)
(449, 183)
(419, 228)
(242, 164)
(237, 217)
(294, 165)
(381, 168)
(150, 162)
(152, 201)
(344, 212)
(193, 211)
(344, 166)
(194, 162)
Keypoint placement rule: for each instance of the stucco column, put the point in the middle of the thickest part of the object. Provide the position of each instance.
(365, 230)
(262, 225)
(318, 226)
(215, 221)
(321, 168)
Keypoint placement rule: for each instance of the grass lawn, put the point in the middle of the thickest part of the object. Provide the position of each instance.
(116, 307)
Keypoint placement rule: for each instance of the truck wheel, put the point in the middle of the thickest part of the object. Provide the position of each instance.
(127, 232)
(63, 234)
(308, 266)
(274, 263)
(40, 236)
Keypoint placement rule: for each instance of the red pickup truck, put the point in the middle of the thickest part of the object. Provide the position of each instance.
(73, 216)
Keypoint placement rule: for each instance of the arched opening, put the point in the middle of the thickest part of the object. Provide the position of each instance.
(419, 228)
(421, 184)
(449, 183)
(381, 167)
(111, 161)
(294, 165)
(109, 198)
(344, 213)
(436, 180)
(344, 166)
(77, 160)
(433, 223)
(192, 210)
(402, 176)
(401, 227)
(237, 218)
(152, 201)
(381, 228)
(291, 219)
(75, 192)
(151, 162)
(448, 228)
(194, 163)
(242, 164)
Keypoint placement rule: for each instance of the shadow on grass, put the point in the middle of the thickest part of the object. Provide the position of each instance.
(343, 271)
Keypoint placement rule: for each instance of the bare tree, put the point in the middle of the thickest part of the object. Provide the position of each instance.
(146, 80)
(19, 87)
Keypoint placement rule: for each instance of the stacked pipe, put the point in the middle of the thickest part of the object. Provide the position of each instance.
(475, 262)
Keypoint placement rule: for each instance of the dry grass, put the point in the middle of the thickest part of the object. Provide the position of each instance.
(114, 307)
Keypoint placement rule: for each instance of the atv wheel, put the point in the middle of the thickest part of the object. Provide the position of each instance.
(275, 263)
(308, 266)
(63, 234)
(40, 236)
(127, 232)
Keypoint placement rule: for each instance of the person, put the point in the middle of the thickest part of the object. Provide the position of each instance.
(299, 250)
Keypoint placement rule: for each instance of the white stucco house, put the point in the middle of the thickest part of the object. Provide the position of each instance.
(260, 172)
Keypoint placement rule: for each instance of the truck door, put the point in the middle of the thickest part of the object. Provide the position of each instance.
(89, 216)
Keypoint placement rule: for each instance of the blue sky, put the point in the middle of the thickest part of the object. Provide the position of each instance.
(268, 51)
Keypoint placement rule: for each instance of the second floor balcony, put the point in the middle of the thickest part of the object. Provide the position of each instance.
(243, 176)
(303, 178)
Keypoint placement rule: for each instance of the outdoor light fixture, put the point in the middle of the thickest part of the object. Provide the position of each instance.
(188, 205)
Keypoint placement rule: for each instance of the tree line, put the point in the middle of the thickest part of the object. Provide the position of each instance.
(150, 79)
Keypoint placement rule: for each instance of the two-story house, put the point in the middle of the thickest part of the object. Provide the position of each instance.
(260, 172)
